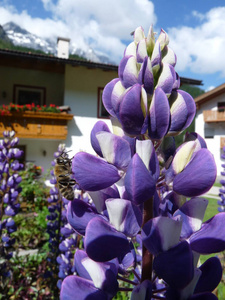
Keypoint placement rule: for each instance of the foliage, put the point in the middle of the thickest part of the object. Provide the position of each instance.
(194, 91)
(6, 109)
(77, 57)
(31, 230)
(29, 279)
(34, 191)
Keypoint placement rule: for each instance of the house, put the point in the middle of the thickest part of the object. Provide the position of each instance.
(210, 121)
(60, 81)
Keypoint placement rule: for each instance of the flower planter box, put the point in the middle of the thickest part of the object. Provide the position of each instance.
(30, 124)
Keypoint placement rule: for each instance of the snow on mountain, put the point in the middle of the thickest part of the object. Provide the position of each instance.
(22, 37)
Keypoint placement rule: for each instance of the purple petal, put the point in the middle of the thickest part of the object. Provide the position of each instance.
(210, 238)
(131, 113)
(99, 126)
(146, 151)
(183, 108)
(111, 95)
(128, 261)
(159, 115)
(141, 51)
(103, 242)
(192, 213)
(79, 214)
(139, 183)
(99, 197)
(168, 56)
(93, 173)
(103, 275)
(175, 266)
(160, 234)
(139, 34)
(167, 78)
(145, 76)
(74, 287)
(168, 148)
(79, 268)
(142, 291)
(204, 296)
(115, 149)
(198, 176)
(193, 136)
(128, 72)
(211, 275)
(156, 56)
(125, 216)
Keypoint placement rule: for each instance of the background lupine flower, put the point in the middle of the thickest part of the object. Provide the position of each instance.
(144, 207)
(62, 239)
(9, 192)
(221, 203)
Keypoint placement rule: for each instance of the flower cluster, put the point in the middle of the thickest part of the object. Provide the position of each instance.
(144, 190)
(221, 203)
(62, 238)
(9, 191)
(7, 109)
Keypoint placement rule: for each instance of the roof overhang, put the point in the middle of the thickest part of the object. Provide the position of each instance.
(210, 95)
(56, 64)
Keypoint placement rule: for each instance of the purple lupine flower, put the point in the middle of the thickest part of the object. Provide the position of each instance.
(147, 72)
(221, 202)
(9, 181)
(62, 239)
(144, 217)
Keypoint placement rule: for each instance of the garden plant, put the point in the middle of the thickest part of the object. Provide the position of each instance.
(143, 227)
(62, 238)
(9, 205)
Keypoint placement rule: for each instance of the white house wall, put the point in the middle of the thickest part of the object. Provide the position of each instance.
(40, 152)
(218, 130)
(81, 95)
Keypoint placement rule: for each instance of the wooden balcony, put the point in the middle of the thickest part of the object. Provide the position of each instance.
(212, 116)
(35, 125)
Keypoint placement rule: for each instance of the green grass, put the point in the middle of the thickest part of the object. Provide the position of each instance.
(211, 211)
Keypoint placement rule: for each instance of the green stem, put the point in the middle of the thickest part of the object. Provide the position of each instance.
(147, 257)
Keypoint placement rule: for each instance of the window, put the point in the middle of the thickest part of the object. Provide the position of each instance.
(209, 133)
(102, 112)
(24, 94)
(221, 106)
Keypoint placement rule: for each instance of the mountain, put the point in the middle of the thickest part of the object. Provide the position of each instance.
(21, 37)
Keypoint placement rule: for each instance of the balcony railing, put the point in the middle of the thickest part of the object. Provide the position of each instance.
(211, 116)
(30, 124)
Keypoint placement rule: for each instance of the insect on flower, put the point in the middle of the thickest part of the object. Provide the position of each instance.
(63, 176)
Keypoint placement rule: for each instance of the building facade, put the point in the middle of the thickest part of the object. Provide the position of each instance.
(45, 80)
(210, 121)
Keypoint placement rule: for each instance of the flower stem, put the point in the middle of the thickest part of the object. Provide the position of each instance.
(126, 280)
(125, 289)
(137, 276)
(147, 258)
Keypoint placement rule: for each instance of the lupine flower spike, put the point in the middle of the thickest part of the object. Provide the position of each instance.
(9, 192)
(144, 224)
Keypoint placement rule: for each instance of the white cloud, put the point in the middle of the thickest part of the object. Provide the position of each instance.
(104, 25)
(201, 49)
(210, 88)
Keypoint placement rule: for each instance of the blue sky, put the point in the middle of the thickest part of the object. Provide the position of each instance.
(196, 28)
